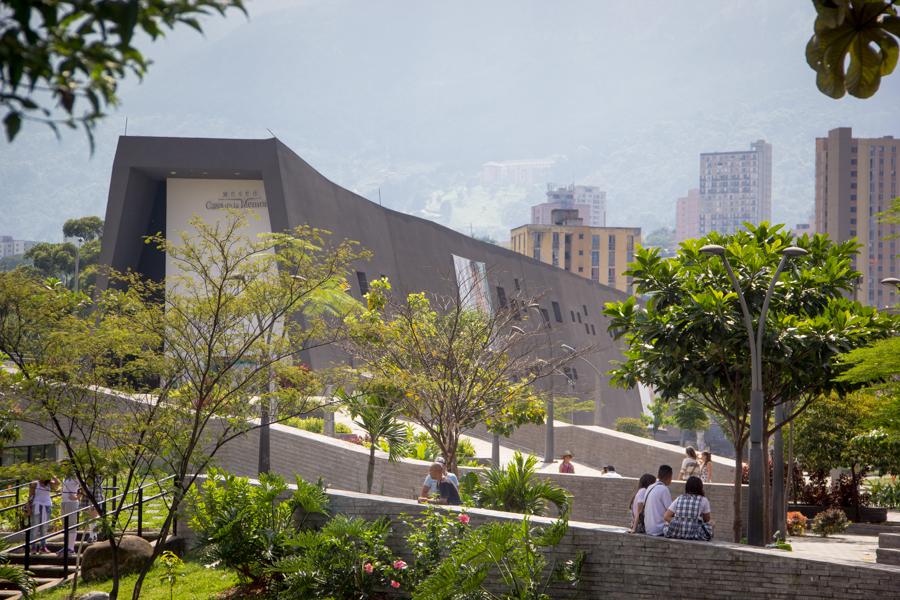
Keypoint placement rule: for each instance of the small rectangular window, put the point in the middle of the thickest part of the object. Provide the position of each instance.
(514, 304)
(516, 283)
(363, 283)
(593, 331)
(501, 296)
(584, 308)
(587, 328)
(572, 312)
(557, 313)
(579, 317)
(546, 316)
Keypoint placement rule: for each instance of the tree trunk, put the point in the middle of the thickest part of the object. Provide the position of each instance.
(370, 472)
(448, 447)
(114, 592)
(177, 497)
(737, 525)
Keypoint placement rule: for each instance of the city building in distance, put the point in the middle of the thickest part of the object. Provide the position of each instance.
(734, 187)
(687, 216)
(13, 247)
(588, 200)
(159, 184)
(600, 254)
(856, 178)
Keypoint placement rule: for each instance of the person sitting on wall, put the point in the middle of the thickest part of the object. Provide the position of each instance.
(657, 501)
(688, 518)
(609, 471)
(447, 474)
(566, 465)
(636, 506)
(438, 488)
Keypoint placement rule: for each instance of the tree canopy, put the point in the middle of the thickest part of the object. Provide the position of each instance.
(61, 61)
(688, 337)
(458, 367)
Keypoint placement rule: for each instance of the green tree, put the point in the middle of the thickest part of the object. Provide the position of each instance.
(86, 228)
(377, 410)
(688, 338)
(61, 61)
(53, 260)
(659, 415)
(199, 349)
(688, 415)
(458, 367)
(866, 31)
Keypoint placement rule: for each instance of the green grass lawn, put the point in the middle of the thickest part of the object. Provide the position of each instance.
(196, 583)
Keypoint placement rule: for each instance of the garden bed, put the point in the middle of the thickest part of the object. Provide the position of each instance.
(867, 514)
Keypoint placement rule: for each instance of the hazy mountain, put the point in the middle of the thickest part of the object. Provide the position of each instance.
(411, 97)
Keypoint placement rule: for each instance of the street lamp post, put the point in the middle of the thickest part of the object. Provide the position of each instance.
(598, 399)
(755, 524)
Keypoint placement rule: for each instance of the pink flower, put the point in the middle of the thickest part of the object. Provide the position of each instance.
(463, 518)
(399, 565)
(395, 584)
(368, 568)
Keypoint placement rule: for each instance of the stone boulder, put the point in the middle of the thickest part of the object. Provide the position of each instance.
(96, 564)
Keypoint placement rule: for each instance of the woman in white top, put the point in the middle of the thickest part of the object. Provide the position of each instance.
(637, 500)
(689, 466)
(41, 503)
(71, 492)
(706, 467)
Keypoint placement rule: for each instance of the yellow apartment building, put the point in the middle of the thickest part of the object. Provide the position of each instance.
(598, 253)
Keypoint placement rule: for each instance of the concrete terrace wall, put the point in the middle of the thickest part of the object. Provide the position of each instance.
(599, 446)
(343, 466)
(621, 565)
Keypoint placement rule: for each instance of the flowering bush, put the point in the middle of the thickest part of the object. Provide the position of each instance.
(796, 523)
(432, 537)
(347, 559)
(829, 522)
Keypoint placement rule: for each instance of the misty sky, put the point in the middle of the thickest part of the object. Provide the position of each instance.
(410, 97)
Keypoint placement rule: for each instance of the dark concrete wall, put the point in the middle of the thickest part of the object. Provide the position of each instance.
(414, 253)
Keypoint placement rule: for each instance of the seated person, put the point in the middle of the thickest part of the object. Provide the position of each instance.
(688, 517)
(439, 488)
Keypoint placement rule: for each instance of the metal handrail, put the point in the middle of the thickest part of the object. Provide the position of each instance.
(19, 504)
(67, 527)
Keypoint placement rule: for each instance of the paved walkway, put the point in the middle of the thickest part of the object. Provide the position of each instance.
(838, 548)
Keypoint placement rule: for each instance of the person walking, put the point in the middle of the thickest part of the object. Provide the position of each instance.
(706, 467)
(71, 493)
(636, 505)
(657, 501)
(41, 505)
(566, 465)
(689, 466)
(689, 516)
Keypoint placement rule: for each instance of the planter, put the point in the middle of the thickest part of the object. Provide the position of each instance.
(867, 514)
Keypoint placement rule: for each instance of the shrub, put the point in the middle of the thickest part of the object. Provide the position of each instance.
(885, 491)
(519, 554)
(516, 488)
(632, 426)
(347, 559)
(316, 425)
(433, 536)
(796, 523)
(247, 527)
(830, 522)
(312, 424)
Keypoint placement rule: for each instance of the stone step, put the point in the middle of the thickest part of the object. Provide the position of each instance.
(888, 556)
(889, 540)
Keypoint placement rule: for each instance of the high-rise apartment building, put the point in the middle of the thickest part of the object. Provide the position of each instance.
(588, 200)
(687, 216)
(598, 253)
(735, 187)
(12, 247)
(856, 178)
